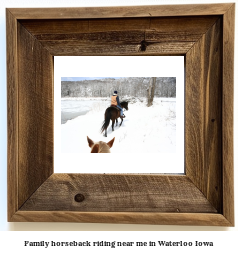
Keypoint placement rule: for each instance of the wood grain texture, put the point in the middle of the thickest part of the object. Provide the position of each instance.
(192, 219)
(174, 36)
(227, 113)
(203, 142)
(35, 133)
(189, 26)
(121, 11)
(12, 114)
(72, 48)
(114, 193)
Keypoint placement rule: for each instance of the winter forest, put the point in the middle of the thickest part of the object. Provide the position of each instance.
(149, 125)
(133, 87)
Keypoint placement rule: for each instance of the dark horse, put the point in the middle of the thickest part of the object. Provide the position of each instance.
(112, 113)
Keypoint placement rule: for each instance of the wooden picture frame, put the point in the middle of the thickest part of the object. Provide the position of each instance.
(204, 34)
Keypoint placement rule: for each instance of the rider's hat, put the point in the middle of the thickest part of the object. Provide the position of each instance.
(115, 92)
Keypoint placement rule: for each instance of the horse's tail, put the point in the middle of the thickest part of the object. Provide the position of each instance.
(106, 122)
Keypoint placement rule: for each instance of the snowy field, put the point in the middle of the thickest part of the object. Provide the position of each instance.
(145, 129)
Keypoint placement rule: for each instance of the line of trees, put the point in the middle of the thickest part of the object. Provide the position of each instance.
(136, 87)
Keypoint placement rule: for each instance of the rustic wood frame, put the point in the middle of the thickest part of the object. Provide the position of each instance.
(204, 34)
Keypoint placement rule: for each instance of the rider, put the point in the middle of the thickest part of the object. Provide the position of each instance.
(116, 102)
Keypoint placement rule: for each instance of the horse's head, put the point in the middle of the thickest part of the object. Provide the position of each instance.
(100, 147)
(124, 104)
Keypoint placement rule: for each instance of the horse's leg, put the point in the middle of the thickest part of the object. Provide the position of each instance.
(113, 121)
(116, 122)
(121, 121)
(119, 115)
(107, 117)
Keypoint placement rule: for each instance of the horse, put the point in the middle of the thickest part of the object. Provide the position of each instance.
(112, 113)
(100, 147)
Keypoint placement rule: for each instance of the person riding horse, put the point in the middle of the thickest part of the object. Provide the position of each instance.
(113, 112)
(116, 103)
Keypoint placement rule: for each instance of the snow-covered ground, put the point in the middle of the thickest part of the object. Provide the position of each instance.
(145, 129)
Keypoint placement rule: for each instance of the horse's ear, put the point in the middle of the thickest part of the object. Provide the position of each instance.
(110, 143)
(95, 149)
(90, 142)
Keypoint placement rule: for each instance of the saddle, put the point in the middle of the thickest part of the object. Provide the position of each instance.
(114, 106)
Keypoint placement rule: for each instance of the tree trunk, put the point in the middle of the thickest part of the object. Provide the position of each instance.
(151, 92)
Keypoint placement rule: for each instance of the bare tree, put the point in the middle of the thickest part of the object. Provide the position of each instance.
(151, 91)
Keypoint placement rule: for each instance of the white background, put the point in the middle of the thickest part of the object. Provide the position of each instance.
(120, 66)
(14, 240)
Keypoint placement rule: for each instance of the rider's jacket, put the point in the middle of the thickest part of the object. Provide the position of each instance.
(114, 100)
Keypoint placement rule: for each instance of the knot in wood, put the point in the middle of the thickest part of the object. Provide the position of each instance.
(79, 198)
(143, 45)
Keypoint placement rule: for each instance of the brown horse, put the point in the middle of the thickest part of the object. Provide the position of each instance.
(112, 113)
(100, 147)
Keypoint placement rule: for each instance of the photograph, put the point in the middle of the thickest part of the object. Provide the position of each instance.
(113, 104)
(137, 113)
